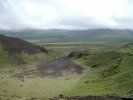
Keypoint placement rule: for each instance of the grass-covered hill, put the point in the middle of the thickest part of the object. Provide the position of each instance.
(109, 72)
(13, 50)
(128, 48)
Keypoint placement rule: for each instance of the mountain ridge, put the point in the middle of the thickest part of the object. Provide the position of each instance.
(60, 35)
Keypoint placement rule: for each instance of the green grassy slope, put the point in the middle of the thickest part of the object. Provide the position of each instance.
(128, 48)
(17, 51)
(24, 58)
(4, 57)
(109, 72)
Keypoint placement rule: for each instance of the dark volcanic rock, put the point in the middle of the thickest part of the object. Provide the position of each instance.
(58, 66)
(17, 46)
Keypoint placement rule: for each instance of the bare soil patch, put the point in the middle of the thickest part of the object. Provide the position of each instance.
(53, 68)
(59, 66)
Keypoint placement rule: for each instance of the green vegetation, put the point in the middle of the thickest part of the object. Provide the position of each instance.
(40, 57)
(128, 48)
(39, 87)
(4, 57)
(35, 87)
(109, 72)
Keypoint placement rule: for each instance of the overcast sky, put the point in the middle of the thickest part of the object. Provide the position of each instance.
(66, 14)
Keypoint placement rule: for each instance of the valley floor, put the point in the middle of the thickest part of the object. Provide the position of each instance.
(105, 72)
(29, 87)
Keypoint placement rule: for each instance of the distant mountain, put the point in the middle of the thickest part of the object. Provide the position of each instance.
(90, 35)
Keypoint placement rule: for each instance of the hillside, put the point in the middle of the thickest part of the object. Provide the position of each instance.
(89, 73)
(57, 35)
(128, 48)
(109, 72)
(13, 49)
(17, 46)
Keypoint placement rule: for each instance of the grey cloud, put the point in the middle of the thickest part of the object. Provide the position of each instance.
(70, 14)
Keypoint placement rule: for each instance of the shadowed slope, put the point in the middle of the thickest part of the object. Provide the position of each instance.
(16, 46)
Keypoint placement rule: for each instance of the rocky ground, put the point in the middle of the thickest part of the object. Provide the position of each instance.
(91, 98)
(57, 67)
